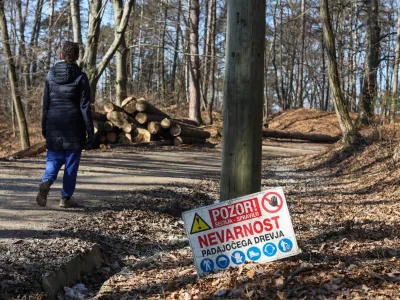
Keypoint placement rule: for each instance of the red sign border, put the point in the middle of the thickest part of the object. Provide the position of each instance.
(279, 206)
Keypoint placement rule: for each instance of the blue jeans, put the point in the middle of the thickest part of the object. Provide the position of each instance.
(54, 162)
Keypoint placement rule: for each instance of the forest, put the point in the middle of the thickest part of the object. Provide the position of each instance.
(203, 109)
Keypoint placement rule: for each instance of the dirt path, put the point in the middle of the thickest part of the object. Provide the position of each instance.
(104, 176)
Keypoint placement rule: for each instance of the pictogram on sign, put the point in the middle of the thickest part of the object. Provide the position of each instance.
(270, 249)
(238, 257)
(199, 225)
(254, 253)
(285, 245)
(272, 202)
(207, 265)
(223, 261)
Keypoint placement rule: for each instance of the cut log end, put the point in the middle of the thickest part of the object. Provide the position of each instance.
(141, 118)
(154, 127)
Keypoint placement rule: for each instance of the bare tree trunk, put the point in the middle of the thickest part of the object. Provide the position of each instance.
(368, 93)
(12, 74)
(194, 65)
(209, 76)
(322, 104)
(77, 27)
(22, 46)
(350, 133)
(283, 91)
(88, 62)
(278, 94)
(34, 41)
(50, 34)
(162, 62)
(301, 63)
(243, 99)
(176, 47)
(121, 57)
(396, 71)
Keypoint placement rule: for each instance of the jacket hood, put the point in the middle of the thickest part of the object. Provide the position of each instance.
(63, 73)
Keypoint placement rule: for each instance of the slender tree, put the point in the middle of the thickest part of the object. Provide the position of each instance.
(194, 62)
(12, 75)
(350, 133)
(121, 57)
(368, 93)
(243, 99)
(396, 71)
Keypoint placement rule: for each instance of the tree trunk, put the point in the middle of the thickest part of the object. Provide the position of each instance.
(162, 61)
(88, 62)
(368, 93)
(278, 94)
(34, 41)
(350, 133)
(396, 72)
(50, 35)
(301, 63)
(12, 74)
(181, 130)
(76, 26)
(243, 99)
(194, 62)
(317, 138)
(176, 47)
(22, 46)
(121, 57)
(210, 75)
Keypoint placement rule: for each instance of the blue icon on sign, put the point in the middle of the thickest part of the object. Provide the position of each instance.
(207, 265)
(238, 257)
(285, 245)
(222, 261)
(254, 253)
(270, 249)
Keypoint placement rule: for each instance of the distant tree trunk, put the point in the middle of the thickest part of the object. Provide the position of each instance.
(76, 26)
(301, 63)
(22, 46)
(396, 72)
(88, 62)
(34, 41)
(243, 99)
(121, 57)
(50, 34)
(194, 63)
(283, 91)
(209, 77)
(176, 47)
(368, 93)
(276, 81)
(350, 133)
(162, 62)
(12, 74)
(139, 65)
(353, 42)
(322, 104)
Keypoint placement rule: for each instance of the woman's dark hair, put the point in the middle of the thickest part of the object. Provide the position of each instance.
(70, 51)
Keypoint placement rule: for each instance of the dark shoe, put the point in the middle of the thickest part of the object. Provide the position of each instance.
(44, 189)
(67, 202)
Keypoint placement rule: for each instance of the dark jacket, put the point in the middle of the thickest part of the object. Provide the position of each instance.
(67, 116)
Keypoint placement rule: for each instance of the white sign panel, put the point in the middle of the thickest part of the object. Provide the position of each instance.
(255, 228)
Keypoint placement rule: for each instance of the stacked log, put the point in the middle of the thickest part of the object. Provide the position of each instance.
(138, 121)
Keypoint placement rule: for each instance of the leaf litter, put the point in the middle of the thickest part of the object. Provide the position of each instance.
(345, 210)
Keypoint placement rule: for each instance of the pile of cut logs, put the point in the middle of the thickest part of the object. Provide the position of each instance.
(137, 121)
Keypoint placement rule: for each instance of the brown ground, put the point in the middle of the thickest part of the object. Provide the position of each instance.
(344, 207)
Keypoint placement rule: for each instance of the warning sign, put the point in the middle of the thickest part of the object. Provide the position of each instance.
(255, 228)
(199, 225)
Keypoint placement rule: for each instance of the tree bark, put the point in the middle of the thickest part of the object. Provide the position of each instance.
(22, 46)
(34, 41)
(194, 63)
(88, 62)
(301, 63)
(393, 109)
(181, 130)
(12, 74)
(176, 47)
(350, 133)
(162, 61)
(121, 57)
(318, 138)
(50, 35)
(76, 26)
(209, 77)
(243, 99)
(368, 93)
